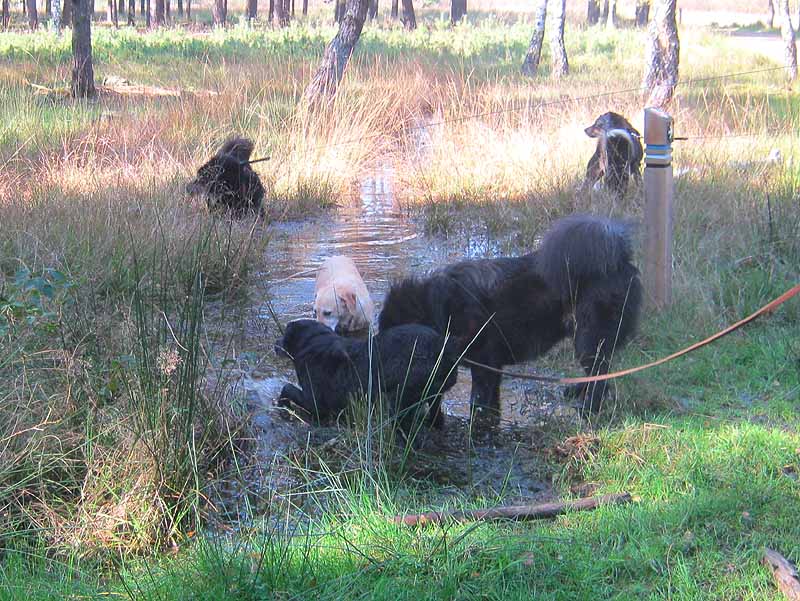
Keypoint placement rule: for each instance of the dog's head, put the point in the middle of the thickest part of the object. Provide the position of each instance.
(226, 177)
(608, 122)
(297, 335)
(340, 310)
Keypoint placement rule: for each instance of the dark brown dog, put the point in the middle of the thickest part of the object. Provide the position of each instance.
(618, 155)
(228, 182)
(580, 283)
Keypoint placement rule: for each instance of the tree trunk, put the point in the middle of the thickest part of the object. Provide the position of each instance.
(593, 12)
(168, 10)
(558, 51)
(530, 66)
(148, 14)
(458, 10)
(790, 47)
(271, 11)
(188, 10)
(409, 19)
(611, 18)
(6, 13)
(281, 18)
(770, 14)
(82, 72)
(339, 10)
(305, 7)
(218, 12)
(33, 15)
(642, 13)
(159, 16)
(331, 70)
(662, 55)
(180, 8)
(292, 13)
(252, 10)
(395, 6)
(373, 9)
(56, 8)
(604, 12)
(48, 8)
(66, 13)
(132, 13)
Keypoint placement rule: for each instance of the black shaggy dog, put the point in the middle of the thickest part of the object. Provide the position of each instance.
(618, 155)
(228, 182)
(411, 366)
(581, 282)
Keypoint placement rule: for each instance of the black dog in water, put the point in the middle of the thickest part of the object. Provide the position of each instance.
(227, 180)
(618, 155)
(580, 282)
(410, 365)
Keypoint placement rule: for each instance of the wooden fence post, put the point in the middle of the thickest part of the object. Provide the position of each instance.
(658, 206)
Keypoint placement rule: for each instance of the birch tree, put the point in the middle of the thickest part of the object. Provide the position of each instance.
(331, 69)
(56, 8)
(530, 66)
(558, 52)
(611, 18)
(789, 45)
(662, 55)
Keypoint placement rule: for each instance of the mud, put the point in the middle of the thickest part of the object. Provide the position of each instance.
(502, 461)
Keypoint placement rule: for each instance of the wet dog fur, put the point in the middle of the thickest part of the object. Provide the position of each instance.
(227, 181)
(581, 282)
(342, 301)
(411, 365)
(618, 155)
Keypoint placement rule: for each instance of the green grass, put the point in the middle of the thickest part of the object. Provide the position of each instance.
(708, 497)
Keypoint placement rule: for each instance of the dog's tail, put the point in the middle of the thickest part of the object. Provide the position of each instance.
(581, 248)
(238, 147)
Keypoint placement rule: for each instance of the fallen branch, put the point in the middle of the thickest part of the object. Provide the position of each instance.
(122, 87)
(784, 573)
(517, 512)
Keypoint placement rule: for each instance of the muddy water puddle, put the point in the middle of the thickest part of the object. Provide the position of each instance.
(386, 244)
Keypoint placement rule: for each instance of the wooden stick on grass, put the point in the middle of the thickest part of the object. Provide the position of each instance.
(517, 512)
(784, 573)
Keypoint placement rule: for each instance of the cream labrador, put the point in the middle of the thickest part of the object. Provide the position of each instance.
(342, 301)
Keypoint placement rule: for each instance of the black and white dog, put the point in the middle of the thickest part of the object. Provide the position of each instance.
(618, 155)
(407, 368)
(581, 283)
(227, 180)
